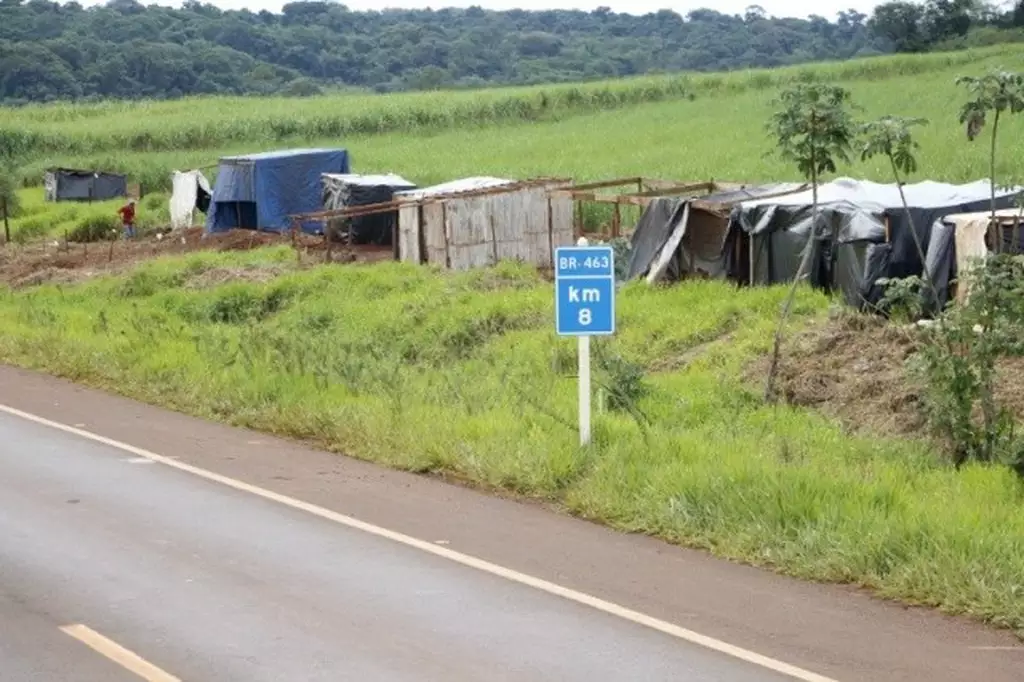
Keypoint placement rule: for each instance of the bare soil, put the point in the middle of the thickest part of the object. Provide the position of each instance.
(855, 369)
(59, 262)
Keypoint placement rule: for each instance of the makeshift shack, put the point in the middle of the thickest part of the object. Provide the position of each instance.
(341, 191)
(685, 236)
(69, 184)
(262, 191)
(863, 233)
(190, 192)
(477, 222)
(957, 239)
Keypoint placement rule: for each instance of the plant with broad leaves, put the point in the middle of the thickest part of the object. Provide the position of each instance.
(997, 93)
(892, 137)
(814, 130)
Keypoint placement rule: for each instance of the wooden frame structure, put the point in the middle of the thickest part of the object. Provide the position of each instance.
(419, 203)
(647, 190)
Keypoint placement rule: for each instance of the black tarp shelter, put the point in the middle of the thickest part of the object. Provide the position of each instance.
(677, 237)
(347, 190)
(863, 233)
(69, 184)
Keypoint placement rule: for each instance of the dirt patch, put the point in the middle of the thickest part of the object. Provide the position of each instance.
(217, 276)
(853, 369)
(57, 262)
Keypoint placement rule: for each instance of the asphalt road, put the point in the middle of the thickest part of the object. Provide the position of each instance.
(211, 584)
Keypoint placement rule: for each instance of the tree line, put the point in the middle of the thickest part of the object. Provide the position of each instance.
(123, 49)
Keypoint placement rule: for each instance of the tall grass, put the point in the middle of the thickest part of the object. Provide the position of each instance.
(721, 137)
(366, 361)
(80, 221)
(51, 131)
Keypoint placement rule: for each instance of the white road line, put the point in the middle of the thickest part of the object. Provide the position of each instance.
(458, 557)
(118, 654)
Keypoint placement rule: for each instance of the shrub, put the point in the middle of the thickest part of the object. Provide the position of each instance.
(959, 363)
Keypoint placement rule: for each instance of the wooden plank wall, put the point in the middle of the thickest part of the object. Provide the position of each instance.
(477, 231)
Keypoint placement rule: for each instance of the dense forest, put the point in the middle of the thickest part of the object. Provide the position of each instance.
(54, 51)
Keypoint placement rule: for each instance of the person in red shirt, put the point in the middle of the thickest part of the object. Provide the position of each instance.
(127, 213)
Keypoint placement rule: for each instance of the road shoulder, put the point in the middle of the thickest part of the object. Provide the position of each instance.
(833, 630)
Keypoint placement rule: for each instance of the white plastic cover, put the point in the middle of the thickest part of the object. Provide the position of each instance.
(453, 187)
(185, 190)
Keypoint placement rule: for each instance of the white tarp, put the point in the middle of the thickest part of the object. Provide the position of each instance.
(184, 192)
(454, 187)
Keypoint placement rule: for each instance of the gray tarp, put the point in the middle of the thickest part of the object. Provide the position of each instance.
(66, 184)
(652, 230)
(703, 245)
(853, 217)
(944, 260)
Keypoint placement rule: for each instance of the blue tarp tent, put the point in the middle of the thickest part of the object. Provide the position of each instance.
(260, 191)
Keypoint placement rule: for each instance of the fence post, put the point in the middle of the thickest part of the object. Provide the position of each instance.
(7, 225)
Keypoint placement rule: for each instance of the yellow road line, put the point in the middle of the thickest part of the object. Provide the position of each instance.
(118, 654)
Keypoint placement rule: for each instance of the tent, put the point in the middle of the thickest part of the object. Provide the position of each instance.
(69, 184)
(348, 190)
(190, 192)
(262, 191)
(678, 237)
(863, 233)
(958, 238)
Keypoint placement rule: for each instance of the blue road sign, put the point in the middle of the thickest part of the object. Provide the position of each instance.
(584, 290)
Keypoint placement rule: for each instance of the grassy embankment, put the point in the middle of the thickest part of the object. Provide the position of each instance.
(462, 374)
(719, 134)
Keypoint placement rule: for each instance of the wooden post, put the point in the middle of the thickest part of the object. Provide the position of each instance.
(750, 239)
(7, 224)
(616, 220)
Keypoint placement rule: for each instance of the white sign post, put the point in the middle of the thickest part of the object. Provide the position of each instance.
(584, 307)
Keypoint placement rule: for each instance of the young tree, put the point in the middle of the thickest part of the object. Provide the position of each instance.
(9, 200)
(814, 130)
(891, 136)
(998, 92)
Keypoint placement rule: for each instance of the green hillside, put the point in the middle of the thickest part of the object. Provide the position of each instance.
(675, 126)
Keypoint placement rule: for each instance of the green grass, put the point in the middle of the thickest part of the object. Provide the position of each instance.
(570, 129)
(39, 218)
(462, 374)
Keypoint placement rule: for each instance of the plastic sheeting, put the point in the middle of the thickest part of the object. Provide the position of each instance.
(261, 191)
(652, 231)
(706, 231)
(855, 217)
(454, 187)
(190, 190)
(344, 190)
(65, 184)
(955, 240)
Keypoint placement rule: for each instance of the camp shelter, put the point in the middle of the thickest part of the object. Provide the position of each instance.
(863, 233)
(957, 239)
(69, 184)
(682, 236)
(348, 190)
(261, 191)
(190, 192)
(477, 222)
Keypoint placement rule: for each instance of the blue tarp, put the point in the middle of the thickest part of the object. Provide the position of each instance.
(260, 191)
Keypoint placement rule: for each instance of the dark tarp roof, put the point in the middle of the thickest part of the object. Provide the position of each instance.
(852, 252)
(662, 215)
